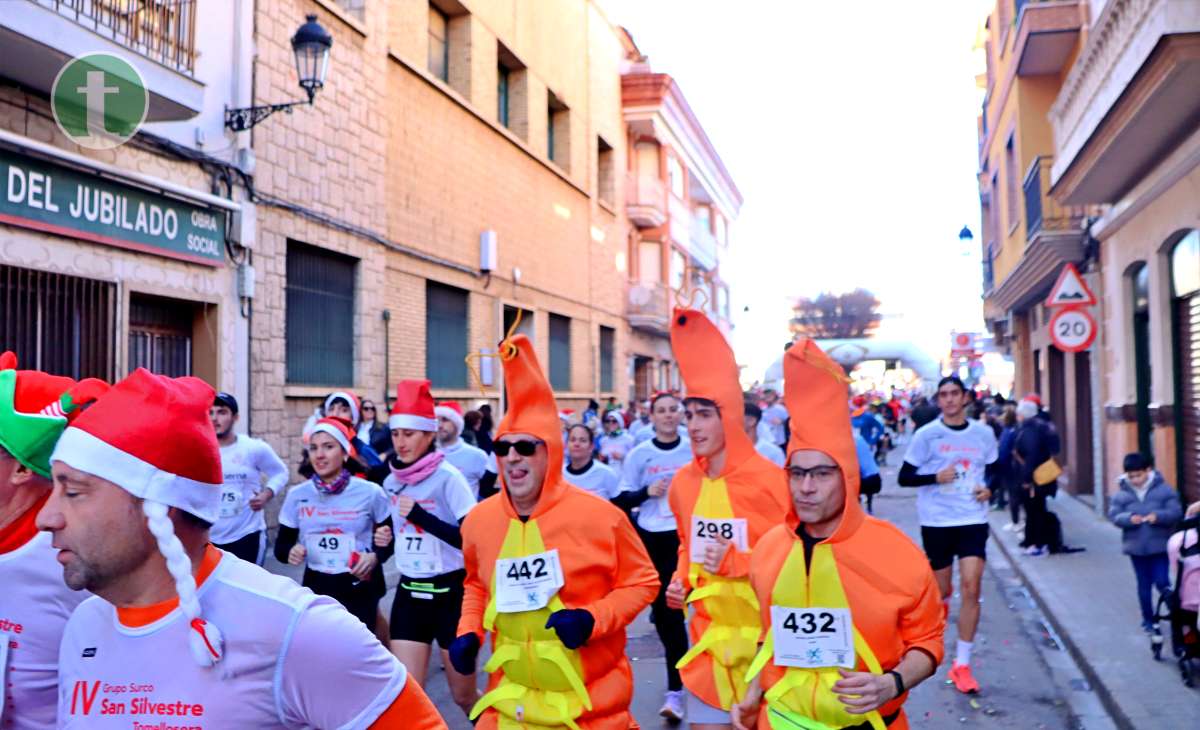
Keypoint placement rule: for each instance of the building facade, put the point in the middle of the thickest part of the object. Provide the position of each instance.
(681, 202)
(1126, 138)
(118, 257)
(1028, 237)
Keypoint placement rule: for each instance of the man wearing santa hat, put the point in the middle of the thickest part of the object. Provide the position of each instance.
(179, 632)
(470, 460)
(553, 572)
(850, 604)
(34, 603)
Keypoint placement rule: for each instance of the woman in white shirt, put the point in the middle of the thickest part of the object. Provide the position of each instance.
(583, 471)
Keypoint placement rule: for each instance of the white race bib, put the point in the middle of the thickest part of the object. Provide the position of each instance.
(527, 583)
(231, 502)
(418, 552)
(707, 530)
(813, 638)
(3, 670)
(329, 552)
(963, 483)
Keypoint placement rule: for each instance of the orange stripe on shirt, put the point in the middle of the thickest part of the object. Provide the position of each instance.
(411, 710)
(138, 616)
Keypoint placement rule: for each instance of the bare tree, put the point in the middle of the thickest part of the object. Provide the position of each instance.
(836, 316)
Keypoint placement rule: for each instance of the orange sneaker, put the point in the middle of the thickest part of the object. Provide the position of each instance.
(964, 682)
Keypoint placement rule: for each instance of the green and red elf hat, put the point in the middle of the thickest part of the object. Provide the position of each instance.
(36, 407)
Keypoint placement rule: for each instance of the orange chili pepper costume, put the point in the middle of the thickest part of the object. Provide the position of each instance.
(536, 682)
(867, 565)
(724, 626)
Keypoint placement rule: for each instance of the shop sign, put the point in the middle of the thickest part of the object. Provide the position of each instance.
(56, 199)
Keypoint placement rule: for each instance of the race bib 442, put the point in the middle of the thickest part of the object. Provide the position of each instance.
(527, 583)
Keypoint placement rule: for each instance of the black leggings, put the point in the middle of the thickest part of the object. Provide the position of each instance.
(360, 598)
(669, 622)
(251, 548)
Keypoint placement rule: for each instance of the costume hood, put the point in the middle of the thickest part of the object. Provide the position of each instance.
(709, 371)
(531, 410)
(815, 396)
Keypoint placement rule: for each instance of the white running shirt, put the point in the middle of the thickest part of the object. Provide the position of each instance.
(936, 446)
(773, 453)
(34, 607)
(353, 511)
(245, 462)
(292, 659)
(599, 479)
(446, 496)
(644, 466)
(472, 461)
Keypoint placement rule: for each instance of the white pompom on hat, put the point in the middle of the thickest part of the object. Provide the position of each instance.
(151, 436)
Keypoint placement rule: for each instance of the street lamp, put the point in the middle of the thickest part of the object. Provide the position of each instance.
(965, 234)
(310, 45)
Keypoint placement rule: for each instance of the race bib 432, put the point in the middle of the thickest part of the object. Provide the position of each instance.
(812, 638)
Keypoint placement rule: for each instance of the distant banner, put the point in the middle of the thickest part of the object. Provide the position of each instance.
(56, 199)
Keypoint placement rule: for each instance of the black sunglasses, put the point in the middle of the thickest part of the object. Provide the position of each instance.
(524, 448)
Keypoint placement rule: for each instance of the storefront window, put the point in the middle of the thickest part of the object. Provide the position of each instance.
(1185, 265)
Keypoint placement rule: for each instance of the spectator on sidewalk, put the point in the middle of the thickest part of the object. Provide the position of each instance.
(1007, 482)
(924, 411)
(1033, 445)
(1146, 509)
(373, 431)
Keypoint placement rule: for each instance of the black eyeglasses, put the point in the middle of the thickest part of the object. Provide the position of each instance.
(820, 474)
(368, 408)
(524, 448)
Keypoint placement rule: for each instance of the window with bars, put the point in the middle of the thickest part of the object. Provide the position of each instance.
(560, 352)
(608, 339)
(63, 325)
(320, 316)
(446, 327)
(160, 335)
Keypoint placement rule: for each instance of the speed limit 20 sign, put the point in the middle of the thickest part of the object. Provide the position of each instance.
(1072, 330)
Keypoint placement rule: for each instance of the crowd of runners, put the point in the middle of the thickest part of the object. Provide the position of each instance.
(132, 536)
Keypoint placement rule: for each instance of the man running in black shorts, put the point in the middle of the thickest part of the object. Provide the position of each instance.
(948, 460)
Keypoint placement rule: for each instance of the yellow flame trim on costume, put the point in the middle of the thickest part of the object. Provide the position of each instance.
(804, 698)
(542, 686)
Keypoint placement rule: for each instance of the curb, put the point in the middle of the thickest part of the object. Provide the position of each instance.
(1102, 692)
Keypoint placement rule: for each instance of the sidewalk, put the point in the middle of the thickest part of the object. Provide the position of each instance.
(1090, 600)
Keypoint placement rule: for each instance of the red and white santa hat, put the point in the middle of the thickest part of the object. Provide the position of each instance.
(451, 411)
(151, 436)
(341, 431)
(352, 399)
(413, 409)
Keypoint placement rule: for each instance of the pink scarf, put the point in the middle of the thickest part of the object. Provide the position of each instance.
(419, 471)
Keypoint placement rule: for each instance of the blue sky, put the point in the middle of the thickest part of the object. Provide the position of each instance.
(850, 130)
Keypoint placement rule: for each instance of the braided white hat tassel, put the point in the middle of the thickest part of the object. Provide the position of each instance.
(204, 639)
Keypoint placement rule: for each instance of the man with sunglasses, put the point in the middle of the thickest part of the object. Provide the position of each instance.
(554, 573)
(850, 604)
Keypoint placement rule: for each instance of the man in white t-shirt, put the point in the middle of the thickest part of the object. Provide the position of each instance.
(949, 461)
(137, 484)
(753, 418)
(245, 462)
(470, 460)
(34, 603)
(775, 417)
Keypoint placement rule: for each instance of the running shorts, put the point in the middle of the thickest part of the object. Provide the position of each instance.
(944, 544)
(428, 609)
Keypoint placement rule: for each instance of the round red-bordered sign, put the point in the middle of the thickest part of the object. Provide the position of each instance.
(1072, 330)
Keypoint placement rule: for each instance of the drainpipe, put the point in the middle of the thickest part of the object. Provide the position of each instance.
(1092, 258)
(387, 329)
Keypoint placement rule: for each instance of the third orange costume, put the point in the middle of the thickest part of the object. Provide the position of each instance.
(867, 566)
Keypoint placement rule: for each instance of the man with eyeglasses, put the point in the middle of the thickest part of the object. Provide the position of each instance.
(554, 573)
(850, 604)
(724, 501)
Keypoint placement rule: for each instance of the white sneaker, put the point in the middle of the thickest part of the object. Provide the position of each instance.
(672, 708)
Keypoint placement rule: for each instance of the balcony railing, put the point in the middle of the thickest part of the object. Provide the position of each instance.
(645, 200)
(1043, 213)
(161, 30)
(648, 306)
